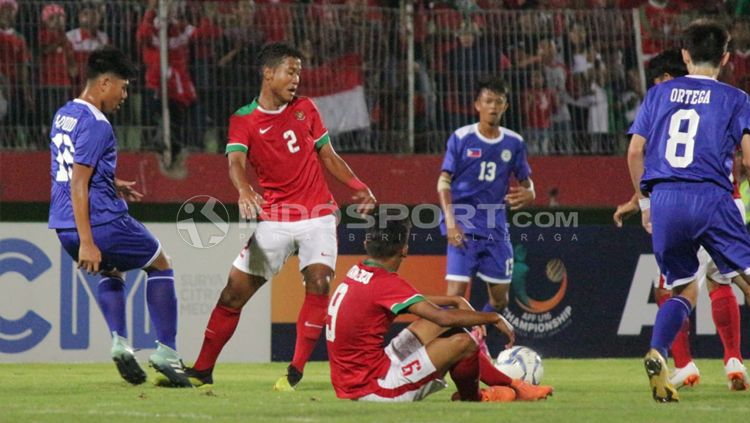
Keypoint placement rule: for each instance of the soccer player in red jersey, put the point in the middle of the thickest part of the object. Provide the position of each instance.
(724, 308)
(284, 139)
(414, 363)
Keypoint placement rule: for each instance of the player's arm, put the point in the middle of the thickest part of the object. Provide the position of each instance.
(449, 301)
(626, 210)
(344, 174)
(89, 256)
(522, 195)
(635, 166)
(249, 201)
(125, 190)
(461, 318)
(454, 233)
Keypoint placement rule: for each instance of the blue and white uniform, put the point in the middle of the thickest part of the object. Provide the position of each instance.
(480, 170)
(693, 126)
(82, 134)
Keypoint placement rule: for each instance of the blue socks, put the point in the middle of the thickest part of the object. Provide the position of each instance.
(162, 305)
(668, 322)
(110, 294)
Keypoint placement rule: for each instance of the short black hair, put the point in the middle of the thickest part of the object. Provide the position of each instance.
(271, 55)
(387, 237)
(109, 59)
(492, 83)
(668, 61)
(706, 41)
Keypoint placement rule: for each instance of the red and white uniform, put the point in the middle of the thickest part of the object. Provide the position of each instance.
(282, 147)
(359, 314)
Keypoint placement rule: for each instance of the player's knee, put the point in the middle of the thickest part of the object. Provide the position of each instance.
(457, 289)
(464, 342)
(162, 262)
(317, 285)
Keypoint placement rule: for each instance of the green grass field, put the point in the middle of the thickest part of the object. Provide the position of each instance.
(586, 390)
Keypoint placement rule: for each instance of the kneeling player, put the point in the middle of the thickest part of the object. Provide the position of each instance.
(414, 363)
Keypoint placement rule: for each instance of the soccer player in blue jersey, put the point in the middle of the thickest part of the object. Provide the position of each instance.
(89, 213)
(474, 188)
(680, 160)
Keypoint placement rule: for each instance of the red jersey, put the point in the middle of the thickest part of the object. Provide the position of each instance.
(54, 65)
(282, 146)
(359, 314)
(14, 54)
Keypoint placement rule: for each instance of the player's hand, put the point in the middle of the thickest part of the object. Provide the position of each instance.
(479, 333)
(365, 201)
(250, 204)
(624, 211)
(125, 190)
(455, 237)
(646, 220)
(89, 258)
(506, 328)
(519, 197)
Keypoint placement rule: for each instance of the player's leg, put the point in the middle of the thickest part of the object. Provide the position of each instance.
(222, 323)
(495, 268)
(460, 267)
(262, 257)
(318, 249)
(673, 215)
(686, 373)
(726, 315)
(728, 243)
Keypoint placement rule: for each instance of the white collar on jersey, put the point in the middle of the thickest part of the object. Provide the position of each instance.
(96, 112)
(700, 77)
(489, 140)
(272, 112)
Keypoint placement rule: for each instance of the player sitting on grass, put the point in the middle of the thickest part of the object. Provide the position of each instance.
(414, 363)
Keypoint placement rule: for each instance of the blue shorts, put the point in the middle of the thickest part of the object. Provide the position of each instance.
(491, 260)
(125, 244)
(686, 216)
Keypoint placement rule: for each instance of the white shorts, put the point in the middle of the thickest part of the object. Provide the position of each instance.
(273, 242)
(411, 377)
(706, 266)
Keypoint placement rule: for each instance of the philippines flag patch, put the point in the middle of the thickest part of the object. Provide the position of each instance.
(474, 153)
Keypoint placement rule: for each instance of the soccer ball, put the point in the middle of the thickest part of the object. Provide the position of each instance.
(521, 363)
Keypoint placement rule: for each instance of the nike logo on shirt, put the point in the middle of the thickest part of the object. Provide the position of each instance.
(263, 131)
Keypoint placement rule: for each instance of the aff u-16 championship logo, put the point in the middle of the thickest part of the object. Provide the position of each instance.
(532, 314)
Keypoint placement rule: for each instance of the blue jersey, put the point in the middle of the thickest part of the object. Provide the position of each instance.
(82, 134)
(692, 126)
(481, 169)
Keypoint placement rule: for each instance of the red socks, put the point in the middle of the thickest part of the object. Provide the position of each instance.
(221, 326)
(726, 314)
(465, 375)
(681, 345)
(310, 323)
(489, 374)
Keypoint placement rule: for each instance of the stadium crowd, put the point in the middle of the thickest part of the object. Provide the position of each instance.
(572, 65)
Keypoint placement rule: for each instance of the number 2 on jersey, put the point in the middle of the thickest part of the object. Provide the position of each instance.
(677, 137)
(333, 310)
(291, 141)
